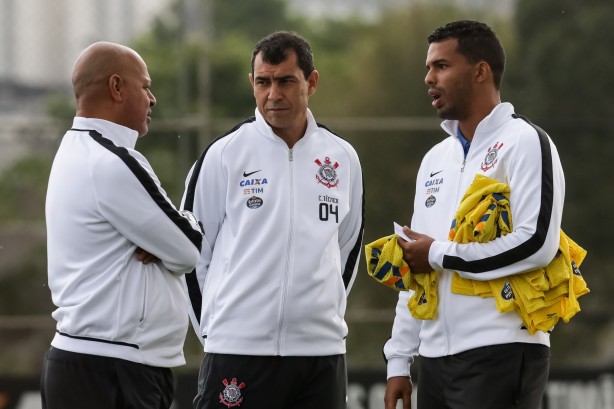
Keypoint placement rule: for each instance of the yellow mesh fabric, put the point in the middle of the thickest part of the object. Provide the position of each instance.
(541, 297)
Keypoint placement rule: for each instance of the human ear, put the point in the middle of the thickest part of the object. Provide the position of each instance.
(313, 81)
(115, 85)
(482, 71)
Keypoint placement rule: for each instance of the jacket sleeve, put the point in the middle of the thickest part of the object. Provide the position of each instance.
(537, 186)
(205, 197)
(404, 342)
(352, 227)
(130, 197)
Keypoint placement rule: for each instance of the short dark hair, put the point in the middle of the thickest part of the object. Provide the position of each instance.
(477, 42)
(274, 48)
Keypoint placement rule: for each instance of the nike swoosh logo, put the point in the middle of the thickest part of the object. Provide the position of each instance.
(434, 173)
(246, 174)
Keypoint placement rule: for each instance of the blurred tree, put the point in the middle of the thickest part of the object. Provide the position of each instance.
(173, 55)
(561, 82)
(556, 67)
(28, 275)
(563, 48)
(254, 19)
(23, 188)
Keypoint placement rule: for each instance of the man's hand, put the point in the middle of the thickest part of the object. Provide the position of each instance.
(398, 387)
(416, 252)
(145, 257)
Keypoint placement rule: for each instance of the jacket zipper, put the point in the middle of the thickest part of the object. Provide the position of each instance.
(445, 284)
(284, 289)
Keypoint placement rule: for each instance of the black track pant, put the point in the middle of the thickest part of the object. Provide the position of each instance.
(77, 381)
(271, 382)
(509, 376)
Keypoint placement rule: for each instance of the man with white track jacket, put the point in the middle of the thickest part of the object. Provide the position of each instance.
(281, 201)
(473, 356)
(117, 248)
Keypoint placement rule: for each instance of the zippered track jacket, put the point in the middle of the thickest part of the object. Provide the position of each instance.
(283, 230)
(509, 149)
(103, 202)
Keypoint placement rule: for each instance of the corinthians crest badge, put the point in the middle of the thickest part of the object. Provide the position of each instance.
(327, 174)
(231, 395)
(491, 157)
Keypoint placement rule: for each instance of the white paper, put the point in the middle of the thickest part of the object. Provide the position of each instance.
(398, 229)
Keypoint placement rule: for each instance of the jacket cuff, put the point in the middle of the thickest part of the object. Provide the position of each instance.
(397, 367)
(436, 253)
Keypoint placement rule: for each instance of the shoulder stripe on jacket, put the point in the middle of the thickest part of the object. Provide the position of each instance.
(353, 256)
(151, 187)
(536, 241)
(191, 279)
(354, 253)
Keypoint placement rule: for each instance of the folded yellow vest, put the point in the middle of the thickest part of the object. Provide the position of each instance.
(385, 264)
(541, 297)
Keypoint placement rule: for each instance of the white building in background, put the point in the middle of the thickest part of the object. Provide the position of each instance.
(40, 39)
(39, 43)
(371, 9)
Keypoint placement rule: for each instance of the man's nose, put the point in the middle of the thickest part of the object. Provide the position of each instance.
(152, 99)
(429, 79)
(275, 92)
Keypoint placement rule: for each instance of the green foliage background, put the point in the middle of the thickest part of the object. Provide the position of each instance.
(559, 54)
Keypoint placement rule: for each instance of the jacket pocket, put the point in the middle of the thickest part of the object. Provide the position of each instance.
(144, 295)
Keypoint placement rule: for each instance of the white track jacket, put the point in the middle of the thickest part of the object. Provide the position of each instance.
(509, 149)
(104, 201)
(283, 231)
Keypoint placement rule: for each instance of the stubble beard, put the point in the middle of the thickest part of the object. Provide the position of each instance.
(458, 108)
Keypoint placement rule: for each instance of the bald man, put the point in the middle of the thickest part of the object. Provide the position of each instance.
(117, 248)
